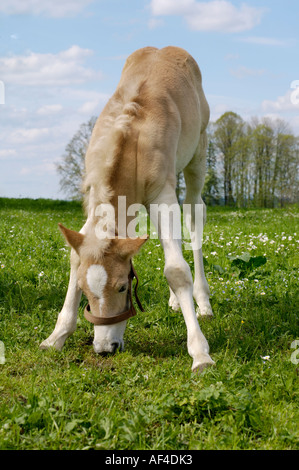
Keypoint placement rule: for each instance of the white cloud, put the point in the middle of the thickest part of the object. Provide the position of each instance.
(52, 8)
(91, 102)
(172, 7)
(216, 15)
(232, 56)
(219, 104)
(26, 136)
(7, 153)
(243, 72)
(48, 69)
(266, 41)
(155, 23)
(45, 167)
(88, 108)
(49, 109)
(286, 103)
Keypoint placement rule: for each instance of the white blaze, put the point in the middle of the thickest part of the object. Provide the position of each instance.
(105, 336)
(96, 279)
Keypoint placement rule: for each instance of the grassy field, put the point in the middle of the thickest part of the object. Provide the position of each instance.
(146, 397)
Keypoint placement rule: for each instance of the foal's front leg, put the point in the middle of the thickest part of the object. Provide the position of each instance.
(179, 278)
(67, 318)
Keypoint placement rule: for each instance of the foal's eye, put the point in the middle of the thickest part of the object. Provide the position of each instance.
(122, 289)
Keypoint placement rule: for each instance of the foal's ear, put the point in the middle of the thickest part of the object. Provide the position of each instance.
(74, 239)
(130, 246)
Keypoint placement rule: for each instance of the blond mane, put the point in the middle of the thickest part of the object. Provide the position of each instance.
(105, 149)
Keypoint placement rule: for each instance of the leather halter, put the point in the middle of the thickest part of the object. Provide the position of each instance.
(131, 312)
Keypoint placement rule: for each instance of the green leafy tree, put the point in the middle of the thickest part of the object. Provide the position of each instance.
(210, 192)
(228, 130)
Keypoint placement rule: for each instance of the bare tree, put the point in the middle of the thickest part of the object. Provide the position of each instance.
(71, 167)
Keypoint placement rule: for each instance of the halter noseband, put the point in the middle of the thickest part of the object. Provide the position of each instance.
(131, 312)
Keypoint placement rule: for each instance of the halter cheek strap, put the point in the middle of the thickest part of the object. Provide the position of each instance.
(131, 312)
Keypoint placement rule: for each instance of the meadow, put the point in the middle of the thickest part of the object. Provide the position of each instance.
(147, 397)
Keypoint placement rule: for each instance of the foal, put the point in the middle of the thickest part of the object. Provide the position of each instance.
(153, 127)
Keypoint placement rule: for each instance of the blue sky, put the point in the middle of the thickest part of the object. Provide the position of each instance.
(61, 61)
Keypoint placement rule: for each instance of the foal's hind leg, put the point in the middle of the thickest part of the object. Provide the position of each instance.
(173, 301)
(194, 177)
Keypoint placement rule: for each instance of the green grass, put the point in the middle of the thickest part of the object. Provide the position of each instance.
(147, 397)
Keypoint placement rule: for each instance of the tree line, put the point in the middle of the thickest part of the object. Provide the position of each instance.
(249, 164)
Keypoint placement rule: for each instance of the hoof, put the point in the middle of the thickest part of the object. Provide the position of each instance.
(173, 303)
(44, 345)
(205, 313)
(47, 345)
(202, 363)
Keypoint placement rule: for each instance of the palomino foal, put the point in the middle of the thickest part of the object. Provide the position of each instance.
(153, 127)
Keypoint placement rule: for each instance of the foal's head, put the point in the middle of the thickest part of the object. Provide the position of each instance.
(104, 277)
